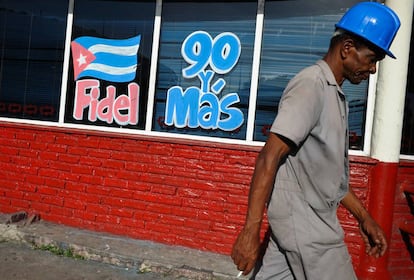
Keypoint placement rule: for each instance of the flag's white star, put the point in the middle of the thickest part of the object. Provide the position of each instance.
(81, 60)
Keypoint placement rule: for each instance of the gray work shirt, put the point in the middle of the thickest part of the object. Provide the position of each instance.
(313, 114)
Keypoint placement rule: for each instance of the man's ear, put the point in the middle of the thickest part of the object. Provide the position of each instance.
(346, 47)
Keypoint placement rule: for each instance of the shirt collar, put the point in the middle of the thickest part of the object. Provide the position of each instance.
(330, 78)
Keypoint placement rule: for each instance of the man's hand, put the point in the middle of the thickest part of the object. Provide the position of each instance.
(246, 250)
(374, 238)
(372, 234)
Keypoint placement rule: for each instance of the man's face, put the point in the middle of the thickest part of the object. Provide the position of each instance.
(360, 64)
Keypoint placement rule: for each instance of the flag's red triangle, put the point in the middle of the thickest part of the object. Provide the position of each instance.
(81, 58)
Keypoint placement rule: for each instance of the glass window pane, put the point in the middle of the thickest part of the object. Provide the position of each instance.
(110, 57)
(32, 40)
(204, 67)
(296, 34)
(407, 145)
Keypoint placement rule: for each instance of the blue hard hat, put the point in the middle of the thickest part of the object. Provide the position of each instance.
(372, 21)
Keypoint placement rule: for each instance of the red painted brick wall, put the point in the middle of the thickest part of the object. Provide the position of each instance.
(171, 191)
(191, 195)
(401, 262)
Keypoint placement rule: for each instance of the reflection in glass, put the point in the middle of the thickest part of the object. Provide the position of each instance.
(121, 22)
(31, 58)
(179, 21)
(296, 34)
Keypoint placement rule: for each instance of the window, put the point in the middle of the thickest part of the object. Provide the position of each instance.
(204, 67)
(207, 60)
(296, 34)
(32, 40)
(110, 63)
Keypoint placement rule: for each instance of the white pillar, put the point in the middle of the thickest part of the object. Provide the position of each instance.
(391, 89)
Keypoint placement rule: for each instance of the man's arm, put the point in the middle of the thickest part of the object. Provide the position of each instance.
(372, 234)
(247, 245)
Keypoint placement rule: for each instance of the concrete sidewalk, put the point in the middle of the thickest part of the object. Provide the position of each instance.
(116, 250)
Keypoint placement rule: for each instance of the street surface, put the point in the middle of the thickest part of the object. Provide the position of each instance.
(21, 262)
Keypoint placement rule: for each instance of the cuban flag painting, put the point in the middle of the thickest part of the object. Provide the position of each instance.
(113, 60)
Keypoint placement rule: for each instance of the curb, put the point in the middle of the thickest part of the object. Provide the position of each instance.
(142, 256)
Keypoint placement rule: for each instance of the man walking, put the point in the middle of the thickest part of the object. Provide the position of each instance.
(301, 174)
